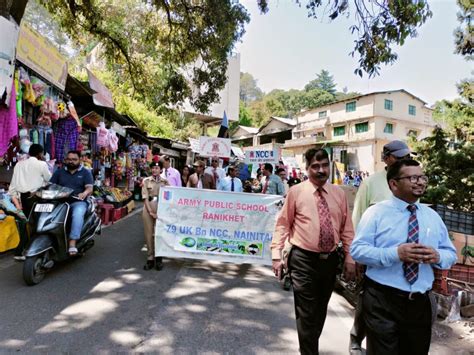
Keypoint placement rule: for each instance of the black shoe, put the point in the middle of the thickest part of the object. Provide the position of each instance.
(355, 347)
(159, 263)
(149, 265)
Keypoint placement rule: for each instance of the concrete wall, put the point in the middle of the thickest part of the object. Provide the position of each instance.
(361, 156)
(364, 109)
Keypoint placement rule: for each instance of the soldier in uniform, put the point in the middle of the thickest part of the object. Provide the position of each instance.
(150, 192)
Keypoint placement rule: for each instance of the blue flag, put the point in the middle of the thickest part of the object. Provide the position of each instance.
(224, 129)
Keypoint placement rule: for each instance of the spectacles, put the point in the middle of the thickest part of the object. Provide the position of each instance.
(414, 178)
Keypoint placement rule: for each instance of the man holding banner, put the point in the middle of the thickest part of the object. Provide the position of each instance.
(314, 219)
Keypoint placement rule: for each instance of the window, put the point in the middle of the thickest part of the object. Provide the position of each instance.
(362, 127)
(388, 128)
(389, 105)
(339, 131)
(323, 114)
(412, 110)
(351, 106)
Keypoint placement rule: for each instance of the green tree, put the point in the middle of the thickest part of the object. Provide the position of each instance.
(164, 51)
(324, 81)
(458, 116)
(464, 36)
(209, 28)
(244, 117)
(249, 90)
(450, 171)
(377, 25)
(42, 21)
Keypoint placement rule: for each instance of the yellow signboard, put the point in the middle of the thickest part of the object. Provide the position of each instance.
(37, 53)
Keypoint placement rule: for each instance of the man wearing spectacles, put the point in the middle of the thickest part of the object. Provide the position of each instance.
(401, 241)
(374, 189)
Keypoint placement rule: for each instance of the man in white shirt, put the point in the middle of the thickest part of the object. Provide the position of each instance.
(28, 176)
(169, 173)
(214, 170)
(232, 182)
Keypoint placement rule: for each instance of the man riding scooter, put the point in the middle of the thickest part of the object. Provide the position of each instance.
(76, 177)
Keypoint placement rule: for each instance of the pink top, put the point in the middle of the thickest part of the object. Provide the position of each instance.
(299, 220)
(8, 123)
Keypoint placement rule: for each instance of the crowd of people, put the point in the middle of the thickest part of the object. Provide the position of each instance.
(396, 244)
(354, 177)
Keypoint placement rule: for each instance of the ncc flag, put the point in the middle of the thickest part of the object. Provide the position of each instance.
(224, 129)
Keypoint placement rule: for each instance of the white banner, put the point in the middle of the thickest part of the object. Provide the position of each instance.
(9, 32)
(261, 156)
(215, 147)
(216, 225)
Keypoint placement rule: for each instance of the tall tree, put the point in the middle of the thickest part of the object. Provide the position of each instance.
(378, 25)
(249, 90)
(168, 51)
(464, 36)
(210, 28)
(450, 171)
(42, 21)
(324, 81)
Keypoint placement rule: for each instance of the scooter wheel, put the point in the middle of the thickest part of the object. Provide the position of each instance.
(33, 272)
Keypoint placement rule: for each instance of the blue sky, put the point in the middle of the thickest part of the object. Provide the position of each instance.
(284, 49)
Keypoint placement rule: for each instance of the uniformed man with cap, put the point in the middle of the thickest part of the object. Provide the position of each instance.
(150, 192)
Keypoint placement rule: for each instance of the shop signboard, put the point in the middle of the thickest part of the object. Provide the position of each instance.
(34, 51)
(194, 144)
(9, 31)
(215, 147)
(103, 96)
(170, 152)
(216, 225)
(261, 156)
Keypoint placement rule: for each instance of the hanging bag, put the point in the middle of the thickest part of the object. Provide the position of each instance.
(113, 141)
(102, 135)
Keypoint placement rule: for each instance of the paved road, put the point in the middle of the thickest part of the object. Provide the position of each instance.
(105, 302)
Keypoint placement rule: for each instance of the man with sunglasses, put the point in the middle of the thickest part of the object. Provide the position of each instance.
(400, 241)
(215, 171)
(374, 189)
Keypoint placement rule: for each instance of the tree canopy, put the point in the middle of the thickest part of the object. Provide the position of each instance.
(167, 51)
(324, 81)
(287, 103)
(249, 90)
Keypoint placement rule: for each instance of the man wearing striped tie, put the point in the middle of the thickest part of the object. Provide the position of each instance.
(401, 241)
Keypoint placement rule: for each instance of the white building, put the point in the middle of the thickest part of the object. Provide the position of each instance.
(228, 97)
(355, 130)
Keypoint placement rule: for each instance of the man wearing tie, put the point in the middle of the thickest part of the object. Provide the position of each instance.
(169, 173)
(214, 170)
(401, 241)
(314, 218)
(232, 182)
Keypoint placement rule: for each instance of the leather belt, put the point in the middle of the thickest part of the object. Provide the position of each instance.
(394, 291)
(320, 256)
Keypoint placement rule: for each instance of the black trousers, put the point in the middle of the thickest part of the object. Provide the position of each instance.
(396, 324)
(312, 276)
(27, 202)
